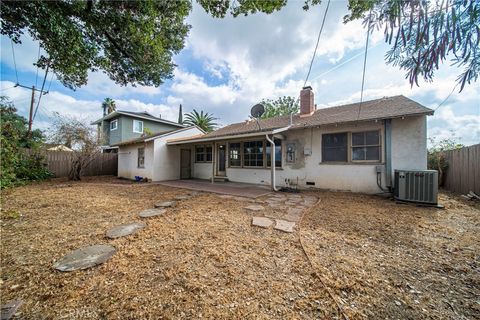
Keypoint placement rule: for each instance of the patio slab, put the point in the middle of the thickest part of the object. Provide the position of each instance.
(227, 188)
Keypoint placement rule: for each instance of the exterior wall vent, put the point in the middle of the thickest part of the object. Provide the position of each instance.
(310, 183)
(419, 186)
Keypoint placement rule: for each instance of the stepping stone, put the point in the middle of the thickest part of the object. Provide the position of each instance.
(293, 214)
(283, 225)
(125, 230)
(164, 204)
(276, 205)
(9, 309)
(85, 258)
(151, 213)
(261, 222)
(292, 203)
(254, 207)
(182, 197)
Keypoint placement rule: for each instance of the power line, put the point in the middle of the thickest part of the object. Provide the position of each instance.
(318, 40)
(345, 62)
(14, 60)
(364, 65)
(41, 92)
(50, 83)
(5, 89)
(38, 58)
(445, 100)
(365, 60)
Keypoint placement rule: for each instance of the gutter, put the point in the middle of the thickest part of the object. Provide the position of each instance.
(235, 136)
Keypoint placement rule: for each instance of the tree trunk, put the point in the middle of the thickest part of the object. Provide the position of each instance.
(75, 170)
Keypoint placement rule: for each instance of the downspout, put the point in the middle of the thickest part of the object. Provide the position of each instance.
(272, 162)
(388, 153)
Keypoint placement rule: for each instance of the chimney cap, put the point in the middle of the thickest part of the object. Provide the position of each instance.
(307, 88)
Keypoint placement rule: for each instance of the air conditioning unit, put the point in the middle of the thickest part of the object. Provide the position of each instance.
(419, 186)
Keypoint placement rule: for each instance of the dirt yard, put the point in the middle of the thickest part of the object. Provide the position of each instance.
(202, 259)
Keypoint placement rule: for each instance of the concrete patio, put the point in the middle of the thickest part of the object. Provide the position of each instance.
(229, 188)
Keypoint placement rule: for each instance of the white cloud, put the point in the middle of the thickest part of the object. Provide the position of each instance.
(67, 105)
(465, 128)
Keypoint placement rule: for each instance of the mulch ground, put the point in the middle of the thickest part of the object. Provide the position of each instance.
(202, 259)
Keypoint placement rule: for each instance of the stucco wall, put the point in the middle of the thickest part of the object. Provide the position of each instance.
(154, 127)
(167, 158)
(127, 161)
(409, 143)
(408, 150)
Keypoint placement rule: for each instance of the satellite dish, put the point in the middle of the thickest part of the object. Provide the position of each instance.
(257, 110)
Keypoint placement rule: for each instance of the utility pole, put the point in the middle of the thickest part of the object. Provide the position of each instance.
(32, 102)
(30, 118)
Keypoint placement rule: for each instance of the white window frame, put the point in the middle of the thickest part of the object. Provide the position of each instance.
(378, 145)
(116, 124)
(137, 121)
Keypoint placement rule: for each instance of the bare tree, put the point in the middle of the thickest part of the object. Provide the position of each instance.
(78, 136)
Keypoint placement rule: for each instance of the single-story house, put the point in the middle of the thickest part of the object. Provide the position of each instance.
(353, 147)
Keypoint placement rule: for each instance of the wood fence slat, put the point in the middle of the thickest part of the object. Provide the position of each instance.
(463, 173)
(59, 163)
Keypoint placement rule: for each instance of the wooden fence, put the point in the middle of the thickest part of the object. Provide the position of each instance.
(59, 163)
(463, 173)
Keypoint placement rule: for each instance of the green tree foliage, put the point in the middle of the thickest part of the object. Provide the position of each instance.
(131, 41)
(134, 41)
(108, 106)
(281, 107)
(205, 121)
(424, 33)
(16, 166)
(436, 155)
(180, 114)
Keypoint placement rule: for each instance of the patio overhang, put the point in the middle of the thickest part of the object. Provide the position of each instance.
(201, 139)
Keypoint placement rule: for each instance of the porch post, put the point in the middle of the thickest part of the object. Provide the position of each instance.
(213, 161)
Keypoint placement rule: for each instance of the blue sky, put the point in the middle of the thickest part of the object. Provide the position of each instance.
(230, 64)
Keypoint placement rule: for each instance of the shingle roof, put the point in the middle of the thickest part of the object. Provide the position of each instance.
(384, 108)
(152, 136)
(142, 115)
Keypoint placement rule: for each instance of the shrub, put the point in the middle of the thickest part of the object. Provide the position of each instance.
(436, 155)
(16, 165)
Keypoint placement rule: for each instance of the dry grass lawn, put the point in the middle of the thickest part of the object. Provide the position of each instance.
(202, 259)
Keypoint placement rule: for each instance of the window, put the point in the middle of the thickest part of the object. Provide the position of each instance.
(141, 158)
(137, 126)
(234, 157)
(203, 153)
(334, 147)
(253, 154)
(113, 125)
(278, 153)
(366, 146)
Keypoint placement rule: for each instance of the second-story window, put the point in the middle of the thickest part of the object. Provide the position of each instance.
(113, 125)
(137, 126)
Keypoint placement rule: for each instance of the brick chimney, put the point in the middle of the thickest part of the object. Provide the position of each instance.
(307, 104)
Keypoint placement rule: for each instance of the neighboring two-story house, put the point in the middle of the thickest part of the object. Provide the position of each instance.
(120, 126)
